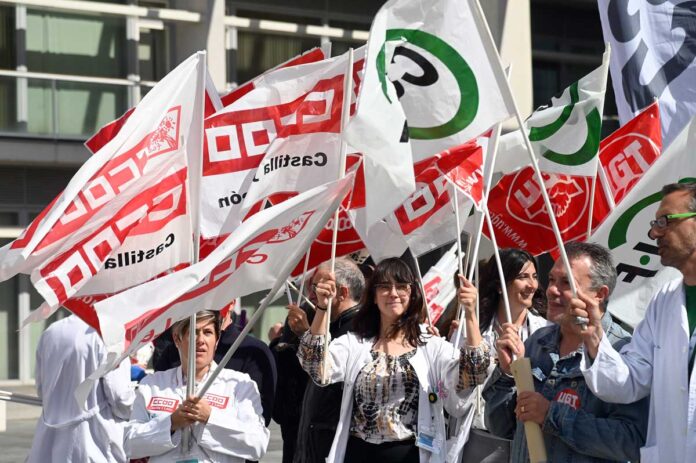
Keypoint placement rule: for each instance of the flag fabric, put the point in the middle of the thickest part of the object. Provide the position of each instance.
(640, 273)
(565, 134)
(378, 130)
(298, 100)
(629, 152)
(310, 56)
(109, 131)
(426, 220)
(132, 193)
(446, 72)
(438, 283)
(263, 250)
(653, 56)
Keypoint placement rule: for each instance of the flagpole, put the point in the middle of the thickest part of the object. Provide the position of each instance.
(304, 276)
(345, 114)
(592, 197)
(499, 265)
(607, 189)
(195, 191)
(460, 266)
(489, 163)
(301, 296)
(420, 283)
(521, 368)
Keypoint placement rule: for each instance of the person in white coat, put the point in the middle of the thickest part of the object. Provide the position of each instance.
(397, 378)
(68, 352)
(227, 423)
(659, 359)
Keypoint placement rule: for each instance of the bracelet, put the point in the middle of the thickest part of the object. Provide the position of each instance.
(323, 309)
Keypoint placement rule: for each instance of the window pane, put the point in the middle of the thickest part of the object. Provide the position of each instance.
(260, 52)
(9, 340)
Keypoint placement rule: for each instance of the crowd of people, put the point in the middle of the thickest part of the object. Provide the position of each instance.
(389, 387)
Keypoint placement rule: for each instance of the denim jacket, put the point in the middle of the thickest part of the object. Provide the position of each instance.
(578, 427)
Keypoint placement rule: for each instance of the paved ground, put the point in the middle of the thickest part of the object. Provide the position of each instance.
(15, 442)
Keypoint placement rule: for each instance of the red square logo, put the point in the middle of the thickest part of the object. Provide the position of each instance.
(75, 275)
(260, 137)
(222, 143)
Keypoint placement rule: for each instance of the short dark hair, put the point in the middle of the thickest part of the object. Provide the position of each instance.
(689, 187)
(366, 323)
(602, 270)
(513, 261)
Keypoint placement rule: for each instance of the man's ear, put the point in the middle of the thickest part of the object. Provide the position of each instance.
(602, 295)
(343, 292)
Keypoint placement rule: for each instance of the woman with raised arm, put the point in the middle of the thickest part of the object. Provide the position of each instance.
(227, 423)
(398, 378)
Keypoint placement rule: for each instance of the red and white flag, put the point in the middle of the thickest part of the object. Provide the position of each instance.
(426, 220)
(109, 131)
(438, 283)
(310, 56)
(298, 100)
(263, 250)
(131, 192)
(517, 208)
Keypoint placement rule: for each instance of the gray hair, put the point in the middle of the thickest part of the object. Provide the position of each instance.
(180, 328)
(349, 275)
(602, 270)
(689, 187)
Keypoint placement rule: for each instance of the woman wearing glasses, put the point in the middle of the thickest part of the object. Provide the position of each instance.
(397, 377)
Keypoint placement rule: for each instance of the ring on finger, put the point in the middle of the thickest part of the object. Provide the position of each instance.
(522, 409)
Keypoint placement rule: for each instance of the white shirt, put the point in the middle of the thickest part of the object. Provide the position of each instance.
(437, 367)
(68, 352)
(234, 432)
(654, 362)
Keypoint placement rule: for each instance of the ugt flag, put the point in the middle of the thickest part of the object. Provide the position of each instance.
(653, 56)
(624, 232)
(134, 187)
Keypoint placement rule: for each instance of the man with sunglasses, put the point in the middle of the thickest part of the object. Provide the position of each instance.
(659, 360)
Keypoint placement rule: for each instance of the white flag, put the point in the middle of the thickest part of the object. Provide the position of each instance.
(134, 187)
(263, 249)
(653, 56)
(624, 232)
(378, 130)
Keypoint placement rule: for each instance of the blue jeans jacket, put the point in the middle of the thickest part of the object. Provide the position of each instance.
(578, 427)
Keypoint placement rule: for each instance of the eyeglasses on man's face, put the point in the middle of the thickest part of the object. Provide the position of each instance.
(386, 288)
(662, 222)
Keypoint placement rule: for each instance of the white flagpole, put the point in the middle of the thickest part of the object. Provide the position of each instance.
(304, 276)
(345, 114)
(491, 153)
(301, 296)
(195, 176)
(521, 368)
(605, 185)
(420, 282)
(499, 265)
(460, 258)
(592, 197)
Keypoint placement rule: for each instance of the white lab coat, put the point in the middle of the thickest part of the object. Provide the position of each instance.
(68, 352)
(654, 362)
(234, 432)
(434, 363)
(462, 426)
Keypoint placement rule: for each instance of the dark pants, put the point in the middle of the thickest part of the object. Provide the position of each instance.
(359, 451)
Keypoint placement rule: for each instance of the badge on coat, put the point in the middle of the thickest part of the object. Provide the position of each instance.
(569, 397)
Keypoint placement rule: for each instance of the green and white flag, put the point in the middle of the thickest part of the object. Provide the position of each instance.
(565, 134)
(446, 72)
(624, 232)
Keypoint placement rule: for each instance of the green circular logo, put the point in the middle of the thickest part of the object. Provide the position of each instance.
(464, 76)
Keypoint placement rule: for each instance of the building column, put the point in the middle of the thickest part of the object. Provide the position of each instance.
(21, 57)
(132, 61)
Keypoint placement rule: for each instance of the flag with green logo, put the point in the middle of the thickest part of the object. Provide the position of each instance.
(446, 72)
(624, 232)
(565, 134)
